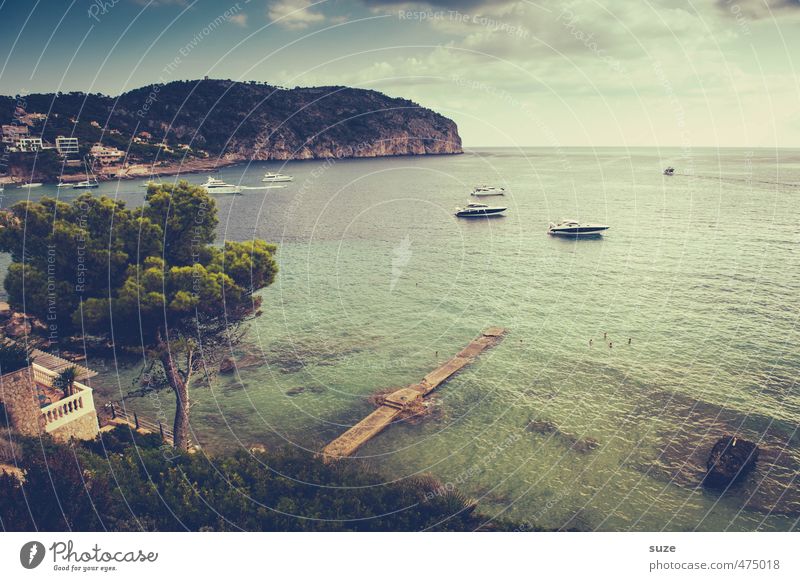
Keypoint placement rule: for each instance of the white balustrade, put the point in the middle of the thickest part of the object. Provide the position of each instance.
(67, 408)
(43, 375)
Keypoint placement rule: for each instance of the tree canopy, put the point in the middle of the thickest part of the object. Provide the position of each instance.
(148, 277)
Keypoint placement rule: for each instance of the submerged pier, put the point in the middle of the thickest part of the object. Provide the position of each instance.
(404, 399)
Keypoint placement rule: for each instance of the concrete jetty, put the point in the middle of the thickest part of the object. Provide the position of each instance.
(404, 399)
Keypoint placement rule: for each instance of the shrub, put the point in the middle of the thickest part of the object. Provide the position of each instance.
(13, 356)
(108, 485)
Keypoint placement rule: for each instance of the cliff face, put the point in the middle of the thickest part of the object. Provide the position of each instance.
(241, 121)
(417, 137)
(249, 121)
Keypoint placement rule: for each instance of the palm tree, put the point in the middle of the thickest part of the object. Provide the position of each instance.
(66, 380)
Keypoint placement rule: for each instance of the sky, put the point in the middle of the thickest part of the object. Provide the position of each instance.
(510, 73)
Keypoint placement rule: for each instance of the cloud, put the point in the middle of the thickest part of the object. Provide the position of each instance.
(239, 19)
(757, 9)
(293, 14)
(449, 4)
(155, 3)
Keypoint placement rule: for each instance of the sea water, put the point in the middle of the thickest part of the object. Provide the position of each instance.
(690, 302)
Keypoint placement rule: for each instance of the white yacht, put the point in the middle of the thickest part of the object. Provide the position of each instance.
(276, 177)
(31, 185)
(574, 228)
(488, 191)
(86, 184)
(476, 210)
(217, 186)
(89, 182)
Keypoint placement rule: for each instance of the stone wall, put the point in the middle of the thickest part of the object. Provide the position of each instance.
(83, 428)
(18, 394)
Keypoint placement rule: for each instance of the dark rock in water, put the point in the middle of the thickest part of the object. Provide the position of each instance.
(227, 365)
(581, 445)
(731, 458)
(302, 389)
(586, 445)
(542, 427)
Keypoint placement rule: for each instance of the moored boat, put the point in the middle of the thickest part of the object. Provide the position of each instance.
(89, 182)
(217, 186)
(488, 191)
(477, 210)
(85, 185)
(575, 229)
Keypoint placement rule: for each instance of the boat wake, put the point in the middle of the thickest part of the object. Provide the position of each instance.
(740, 180)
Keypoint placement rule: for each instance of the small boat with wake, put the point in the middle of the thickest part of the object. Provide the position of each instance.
(217, 186)
(272, 177)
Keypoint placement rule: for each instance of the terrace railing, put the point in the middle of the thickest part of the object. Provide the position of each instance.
(67, 408)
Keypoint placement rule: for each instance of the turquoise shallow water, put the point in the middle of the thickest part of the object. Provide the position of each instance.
(379, 282)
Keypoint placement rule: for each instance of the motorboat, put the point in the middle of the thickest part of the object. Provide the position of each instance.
(488, 191)
(31, 185)
(574, 228)
(476, 210)
(276, 177)
(669, 171)
(217, 186)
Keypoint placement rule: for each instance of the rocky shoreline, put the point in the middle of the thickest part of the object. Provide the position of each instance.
(142, 170)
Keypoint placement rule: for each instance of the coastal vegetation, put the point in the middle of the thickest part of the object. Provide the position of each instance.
(124, 481)
(148, 279)
(13, 356)
(230, 121)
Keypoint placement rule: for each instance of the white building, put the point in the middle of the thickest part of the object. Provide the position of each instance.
(29, 144)
(34, 405)
(67, 145)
